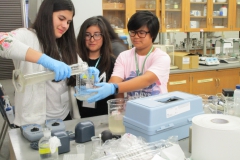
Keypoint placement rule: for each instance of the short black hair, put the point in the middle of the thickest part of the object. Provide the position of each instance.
(144, 18)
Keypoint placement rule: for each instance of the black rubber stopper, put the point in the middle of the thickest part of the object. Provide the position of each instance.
(106, 135)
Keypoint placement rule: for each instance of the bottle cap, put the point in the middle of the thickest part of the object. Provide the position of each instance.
(46, 132)
(238, 86)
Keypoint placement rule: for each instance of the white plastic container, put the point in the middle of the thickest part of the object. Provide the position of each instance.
(224, 10)
(236, 97)
(194, 24)
(236, 92)
(8, 109)
(205, 10)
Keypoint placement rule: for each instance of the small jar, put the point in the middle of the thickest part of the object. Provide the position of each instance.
(175, 5)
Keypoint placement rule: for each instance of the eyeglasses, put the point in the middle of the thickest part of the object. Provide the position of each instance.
(141, 34)
(96, 36)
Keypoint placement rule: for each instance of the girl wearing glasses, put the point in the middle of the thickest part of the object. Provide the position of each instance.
(141, 71)
(94, 46)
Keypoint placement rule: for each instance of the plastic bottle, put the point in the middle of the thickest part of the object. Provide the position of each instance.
(8, 109)
(47, 153)
(236, 97)
(205, 10)
(224, 10)
(175, 6)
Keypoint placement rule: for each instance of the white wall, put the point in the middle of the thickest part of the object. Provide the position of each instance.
(85, 9)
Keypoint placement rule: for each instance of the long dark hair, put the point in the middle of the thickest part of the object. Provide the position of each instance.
(106, 49)
(113, 35)
(51, 46)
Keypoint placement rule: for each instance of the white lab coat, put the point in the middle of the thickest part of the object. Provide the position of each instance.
(30, 106)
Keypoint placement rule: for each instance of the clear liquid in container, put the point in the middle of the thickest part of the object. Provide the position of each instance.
(116, 124)
(116, 111)
(84, 82)
(44, 147)
(20, 80)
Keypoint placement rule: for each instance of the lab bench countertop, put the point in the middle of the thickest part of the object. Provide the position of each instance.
(20, 147)
(207, 68)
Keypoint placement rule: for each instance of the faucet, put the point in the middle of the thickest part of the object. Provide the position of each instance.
(210, 42)
(221, 46)
(237, 54)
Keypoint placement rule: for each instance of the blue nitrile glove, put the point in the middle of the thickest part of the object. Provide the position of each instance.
(94, 71)
(104, 90)
(61, 70)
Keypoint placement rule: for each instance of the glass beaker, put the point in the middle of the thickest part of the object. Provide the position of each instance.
(210, 104)
(116, 110)
(85, 82)
(229, 106)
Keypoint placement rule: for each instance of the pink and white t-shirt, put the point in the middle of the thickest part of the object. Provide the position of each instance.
(157, 62)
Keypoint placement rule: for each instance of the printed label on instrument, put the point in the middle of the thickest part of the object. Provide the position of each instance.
(177, 110)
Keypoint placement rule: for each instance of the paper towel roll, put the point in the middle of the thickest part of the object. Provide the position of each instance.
(215, 137)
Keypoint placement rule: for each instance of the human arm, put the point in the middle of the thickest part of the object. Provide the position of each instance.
(157, 71)
(136, 83)
(32, 55)
(106, 89)
(15, 45)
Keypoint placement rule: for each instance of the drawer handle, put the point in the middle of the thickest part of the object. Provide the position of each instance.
(177, 82)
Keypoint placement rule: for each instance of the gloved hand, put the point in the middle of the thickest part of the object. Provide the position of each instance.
(61, 70)
(95, 72)
(104, 90)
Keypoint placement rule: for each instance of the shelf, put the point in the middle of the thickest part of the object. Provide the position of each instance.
(173, 10)
(145, 9)
(172, 30)
(198, 17)
(198, 2)
(113, 9)
(220, 17)
(220, 3)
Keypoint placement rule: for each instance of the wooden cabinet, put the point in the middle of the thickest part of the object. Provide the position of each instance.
(204, 82)
(206, 16)
(228, 78)
(118, 12)
(172, 15)
(236, 15)
(179, 82)
(176, 15)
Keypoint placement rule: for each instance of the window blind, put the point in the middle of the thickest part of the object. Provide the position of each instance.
(11, 17)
